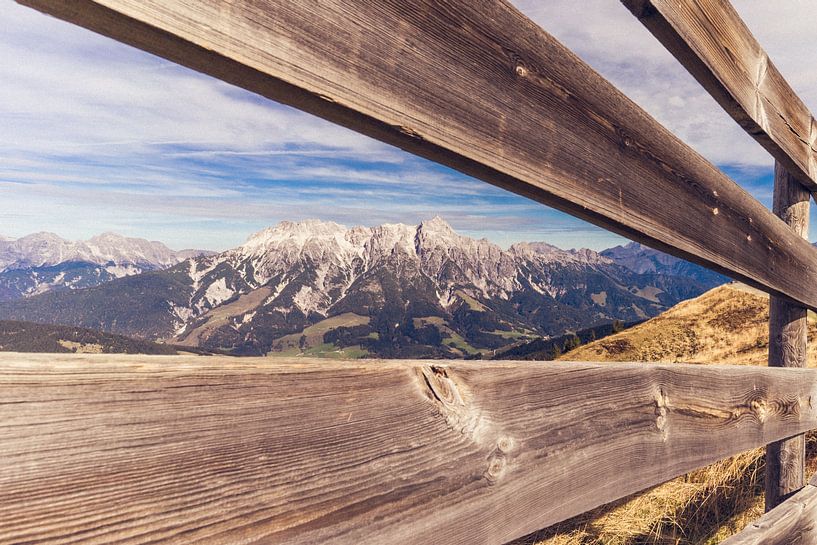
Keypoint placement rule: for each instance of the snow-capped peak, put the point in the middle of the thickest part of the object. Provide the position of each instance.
(46, 249)
(436, 225)
(295, 232)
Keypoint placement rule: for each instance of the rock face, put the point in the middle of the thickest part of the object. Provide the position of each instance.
(42, 262)
(393, 290)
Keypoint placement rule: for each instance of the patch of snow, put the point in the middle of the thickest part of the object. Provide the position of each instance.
(445, 299)
(196, 275)
(119, 271)
(218, 292)
(183, 315)
(248, 317)
(309, 300)
(535, 286)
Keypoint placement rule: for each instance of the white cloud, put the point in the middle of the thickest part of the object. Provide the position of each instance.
(66, 90)
(99, 136)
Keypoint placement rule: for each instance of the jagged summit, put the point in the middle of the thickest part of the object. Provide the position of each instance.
(298, 233)
(436, 225)
(392, 290)
(428, 235)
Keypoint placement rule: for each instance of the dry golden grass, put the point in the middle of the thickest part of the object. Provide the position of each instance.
(728, 324)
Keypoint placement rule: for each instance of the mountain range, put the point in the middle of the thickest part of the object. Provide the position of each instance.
(393, 290)
(42, 262)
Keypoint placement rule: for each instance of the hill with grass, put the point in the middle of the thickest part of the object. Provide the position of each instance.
(31, 337)
(726, 325)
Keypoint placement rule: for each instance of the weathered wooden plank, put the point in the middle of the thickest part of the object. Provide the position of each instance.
(788, 340)
(794, 522)
(102, 449)
(711, 40)
(479, 87)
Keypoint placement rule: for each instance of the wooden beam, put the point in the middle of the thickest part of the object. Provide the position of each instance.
(137, 449)
(711, 40)
(788, 339)
(477, 86)
(794, 522)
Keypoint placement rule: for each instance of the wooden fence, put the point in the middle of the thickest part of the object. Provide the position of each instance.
(131, 450)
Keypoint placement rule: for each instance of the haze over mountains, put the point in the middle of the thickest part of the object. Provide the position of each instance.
(317, 287)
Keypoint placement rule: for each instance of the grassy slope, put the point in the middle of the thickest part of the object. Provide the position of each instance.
(32, 337)
(313, 345)
(728, 324)
(725, 325)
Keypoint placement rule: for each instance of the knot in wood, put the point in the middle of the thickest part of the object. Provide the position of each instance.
(661, 411)
(759, 408)
(496, 468)
(521, 70)
(455, 404)
(789, 406)
(661, 402)
(442, 388)
(504, 445)
(625, 140)
(661, 423)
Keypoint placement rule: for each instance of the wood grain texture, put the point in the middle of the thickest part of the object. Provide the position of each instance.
(477, 86)
(116, 449)
(794, 522)
(711, 40)
(788, 340)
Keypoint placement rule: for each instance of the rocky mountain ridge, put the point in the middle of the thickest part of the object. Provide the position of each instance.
(392, 290)
(43, 261)
(641, 259)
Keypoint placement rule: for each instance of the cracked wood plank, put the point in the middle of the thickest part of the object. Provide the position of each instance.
(133, 450)
(711, 40)
(479, 87)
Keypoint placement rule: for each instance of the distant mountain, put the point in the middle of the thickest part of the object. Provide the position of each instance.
(393, 290)
(642, 260)
(42, 262)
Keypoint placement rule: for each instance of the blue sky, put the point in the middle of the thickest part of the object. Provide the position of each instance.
(99, 137)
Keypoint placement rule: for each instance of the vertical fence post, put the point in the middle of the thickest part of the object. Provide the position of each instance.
(788, 333)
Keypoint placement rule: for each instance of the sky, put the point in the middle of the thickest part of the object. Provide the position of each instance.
(97, 136)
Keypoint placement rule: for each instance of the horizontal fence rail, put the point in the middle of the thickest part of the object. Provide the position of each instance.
(137, 449)
(793, 522)
(479, 87)
(709, 38)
